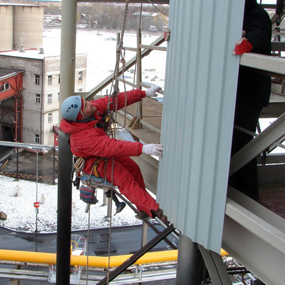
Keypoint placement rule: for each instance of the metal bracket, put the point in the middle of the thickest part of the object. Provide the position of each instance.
(215, 267)
(137, 255)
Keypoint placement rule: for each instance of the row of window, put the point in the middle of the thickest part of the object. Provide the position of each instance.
(49, 98)
(50, 78)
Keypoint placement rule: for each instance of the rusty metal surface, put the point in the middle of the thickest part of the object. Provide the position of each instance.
(272, 197)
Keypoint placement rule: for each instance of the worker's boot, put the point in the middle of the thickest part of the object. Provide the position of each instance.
(142, 215)
(119, 205)
(159, 213)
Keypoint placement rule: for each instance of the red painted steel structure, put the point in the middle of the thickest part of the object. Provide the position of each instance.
(11, 113)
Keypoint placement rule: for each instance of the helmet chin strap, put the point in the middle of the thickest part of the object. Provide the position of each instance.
(85, 119)
(81, 112)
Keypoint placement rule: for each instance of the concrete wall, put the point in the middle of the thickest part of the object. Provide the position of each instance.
(21, 26)
(28, 26)
(6, 24)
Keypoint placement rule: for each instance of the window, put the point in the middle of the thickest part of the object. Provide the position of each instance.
(37, 79)
(38, 98)
(49, 117)
(49, 79)
(4, 87)
(37, 138)
(49, 98)
(80, 75)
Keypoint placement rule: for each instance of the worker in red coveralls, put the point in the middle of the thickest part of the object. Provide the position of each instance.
(83, 121)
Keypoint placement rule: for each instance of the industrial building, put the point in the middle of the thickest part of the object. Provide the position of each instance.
(38, 97)
(21, 25)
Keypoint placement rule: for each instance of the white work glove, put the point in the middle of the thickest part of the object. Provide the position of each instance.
(151, 92)
(153, 149)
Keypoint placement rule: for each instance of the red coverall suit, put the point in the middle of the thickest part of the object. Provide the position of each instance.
(91, 142)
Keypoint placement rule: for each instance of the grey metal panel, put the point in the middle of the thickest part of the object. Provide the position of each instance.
(200, 87)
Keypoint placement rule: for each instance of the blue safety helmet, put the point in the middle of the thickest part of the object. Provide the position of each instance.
(70, 108)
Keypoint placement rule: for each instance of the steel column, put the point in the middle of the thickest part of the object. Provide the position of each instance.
(67, 72)
(139, 72)
(189, 263)
(68, 49)
(64, 211)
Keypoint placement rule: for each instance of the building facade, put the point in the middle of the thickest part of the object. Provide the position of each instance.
(41, 85)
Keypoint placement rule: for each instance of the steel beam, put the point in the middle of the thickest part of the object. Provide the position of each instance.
(215, 267)
(258, 144)
(273, 66)
(124, 1)
(120, 269)
(278, 46)
(149, 168)
(255, 236)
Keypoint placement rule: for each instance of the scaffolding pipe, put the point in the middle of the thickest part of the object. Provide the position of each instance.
(139, 72)
(67, 79)
(81, 260)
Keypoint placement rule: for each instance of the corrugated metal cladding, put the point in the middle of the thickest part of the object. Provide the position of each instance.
(198, 113)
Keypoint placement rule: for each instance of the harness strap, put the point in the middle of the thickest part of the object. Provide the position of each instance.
(95, 165)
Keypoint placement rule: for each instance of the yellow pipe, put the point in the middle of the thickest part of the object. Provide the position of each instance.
(93, 261)
(224, 253)
(150, 257)
(27, 256)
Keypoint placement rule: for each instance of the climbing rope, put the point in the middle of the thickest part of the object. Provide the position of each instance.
(157, 8)
(120, 58)
(87, 249)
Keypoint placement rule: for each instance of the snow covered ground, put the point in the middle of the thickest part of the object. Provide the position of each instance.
(17, 201)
